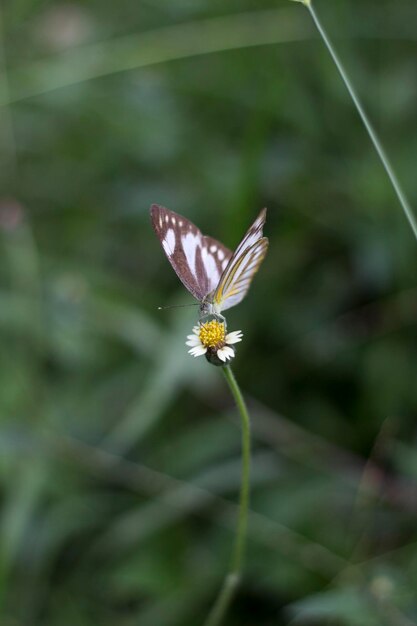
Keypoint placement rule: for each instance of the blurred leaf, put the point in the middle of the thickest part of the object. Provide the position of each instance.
(348, 606)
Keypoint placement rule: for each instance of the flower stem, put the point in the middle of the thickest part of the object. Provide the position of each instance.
(371, 131)
(232, 579)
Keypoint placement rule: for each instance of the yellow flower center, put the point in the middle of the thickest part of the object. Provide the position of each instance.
(212, 334)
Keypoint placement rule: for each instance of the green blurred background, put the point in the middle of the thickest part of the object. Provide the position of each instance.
(120, 453)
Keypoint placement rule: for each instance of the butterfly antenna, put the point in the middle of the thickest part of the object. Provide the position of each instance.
(178, 306)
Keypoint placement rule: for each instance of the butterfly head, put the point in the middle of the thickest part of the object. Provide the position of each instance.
(209, 307)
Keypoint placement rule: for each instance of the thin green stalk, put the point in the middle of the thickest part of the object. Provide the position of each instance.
(370, 129)
(232, 579)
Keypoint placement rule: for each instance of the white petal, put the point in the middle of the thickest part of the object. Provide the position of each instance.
(193, 341)
(196, 330)
(225, 353)
(221, 355)
(198, 351)
(229, 352)
(234, 337)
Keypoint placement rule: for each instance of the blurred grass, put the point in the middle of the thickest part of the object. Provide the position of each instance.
(119, 454)
(169, 43)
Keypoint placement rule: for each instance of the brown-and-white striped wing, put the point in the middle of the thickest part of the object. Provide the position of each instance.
(199, 261)
(245, 262)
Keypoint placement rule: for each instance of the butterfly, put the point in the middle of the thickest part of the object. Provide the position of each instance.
(217, 277)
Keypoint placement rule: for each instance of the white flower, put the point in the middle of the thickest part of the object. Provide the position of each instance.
(210, 337)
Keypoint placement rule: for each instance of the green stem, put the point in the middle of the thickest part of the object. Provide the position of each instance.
(371, 131)
(232, 579)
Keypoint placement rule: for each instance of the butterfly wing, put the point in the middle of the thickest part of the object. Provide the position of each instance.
(253, 234)
(245, 262)
(198, 261)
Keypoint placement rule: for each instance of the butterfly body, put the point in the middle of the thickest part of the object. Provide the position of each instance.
(217, 277)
